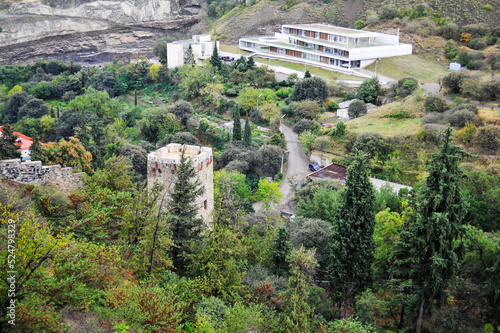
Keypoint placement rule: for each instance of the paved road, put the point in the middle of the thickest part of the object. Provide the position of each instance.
(297, 166)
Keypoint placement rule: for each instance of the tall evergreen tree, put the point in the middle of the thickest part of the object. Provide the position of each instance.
(8, 148)
(183, 222)
(297, 317)
(189, 58)
(281, 250)
(237, 125)
(250, 63)
(247, 135)
(36, 152)
(307, 74)
(215, 59)
(351, 242)
(427, 252)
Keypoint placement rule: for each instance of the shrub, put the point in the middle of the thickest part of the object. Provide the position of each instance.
(312, 88)
(488, 138)
(356, 109)
(307, 139)
(467, 133)
(460, 117)
(305, 109)
(369, 90)
(470, 107)
(372, 143)
(453, 81)
(403, 88)
(305, 125)
(388, 13)
(433, 133)
(432, 118)
(322, 143)
(435, 103)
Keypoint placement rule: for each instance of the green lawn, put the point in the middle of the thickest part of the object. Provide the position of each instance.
(377, 121)
(413, 65)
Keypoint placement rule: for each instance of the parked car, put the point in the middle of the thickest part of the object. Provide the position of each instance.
(314, 166)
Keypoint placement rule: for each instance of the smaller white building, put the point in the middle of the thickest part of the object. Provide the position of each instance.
(202, 46)
(455, 66)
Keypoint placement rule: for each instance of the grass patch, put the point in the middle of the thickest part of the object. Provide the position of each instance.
(381, 120)
(412, 65)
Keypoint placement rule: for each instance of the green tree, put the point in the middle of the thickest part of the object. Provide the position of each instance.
(356, 109)
(268, 193)
(426, 252)
(369, 90)
(297, 317)
(237, 125)
(97, 102)
(189, 57)
(352, 244)
(312, 88)
(250, 63)
(215, 59)
(184, 224)
(281, 250)
(160, 50)
(8, 148)
(492, 287)
(247, 135)
(306, 139)
(307, 74)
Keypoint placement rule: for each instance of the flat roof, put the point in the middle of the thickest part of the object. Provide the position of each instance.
(333, 30)
(334, 171)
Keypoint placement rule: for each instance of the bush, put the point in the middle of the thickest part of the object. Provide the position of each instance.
(433, 132)
(469, 107)
(305, 109)
(322, 143)
(467, 133)
(460, 117)
(305, 125)
(453, 81)
(432, 118)
(356, 109)
(435, 103)
(388, 13)
(403, 88)
(350, 141)
(369, 90)
(488, 138)
(372, 143)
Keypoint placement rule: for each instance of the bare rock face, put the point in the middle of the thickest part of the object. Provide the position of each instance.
(86, 29)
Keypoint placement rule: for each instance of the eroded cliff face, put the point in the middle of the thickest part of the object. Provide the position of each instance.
(89, 30)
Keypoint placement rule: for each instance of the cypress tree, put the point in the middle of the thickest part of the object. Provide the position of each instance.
(250, 63)
(237, 125)
(184, 224)
(351, 241)
(247, 135)
(189, 58)
(297, 317)
(427, 252)
(215, 59)
(36, 152)
(307, 74)
(8, 148)
(281, 250)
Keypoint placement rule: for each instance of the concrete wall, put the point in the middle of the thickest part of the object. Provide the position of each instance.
(37, 174)
(163, 164)
(175, 55)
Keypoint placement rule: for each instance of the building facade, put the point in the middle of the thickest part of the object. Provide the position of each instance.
(202, 46)
(326, 46)
(164, 162)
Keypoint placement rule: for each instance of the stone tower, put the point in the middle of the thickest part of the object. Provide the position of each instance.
(163, 164)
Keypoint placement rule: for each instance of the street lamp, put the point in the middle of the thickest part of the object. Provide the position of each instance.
(282, 158)
(376, 63)
(258, 102)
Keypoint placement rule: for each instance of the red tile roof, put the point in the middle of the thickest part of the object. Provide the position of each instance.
(23, 141)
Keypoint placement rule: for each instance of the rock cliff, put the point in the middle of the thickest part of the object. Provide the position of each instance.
(92, 30)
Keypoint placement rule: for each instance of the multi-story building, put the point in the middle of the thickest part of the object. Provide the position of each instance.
(202, 46)
(163, 164)
(326, 46)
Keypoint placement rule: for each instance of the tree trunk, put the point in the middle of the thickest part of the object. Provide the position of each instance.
(420, 316)
(345, 310)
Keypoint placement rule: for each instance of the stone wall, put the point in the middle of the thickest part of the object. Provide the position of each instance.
(33, 172)
(163, 164)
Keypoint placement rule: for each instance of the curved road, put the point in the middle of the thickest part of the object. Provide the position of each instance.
(296, 168)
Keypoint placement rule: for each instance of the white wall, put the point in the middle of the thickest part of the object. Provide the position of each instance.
(175, 55)
(374, 52)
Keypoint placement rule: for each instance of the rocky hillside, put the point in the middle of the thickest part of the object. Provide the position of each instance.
(88, 29)
(82, 29)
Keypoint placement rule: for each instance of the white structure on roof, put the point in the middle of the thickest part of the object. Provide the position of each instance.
(163, 164)
(202, 46)
(326, 46)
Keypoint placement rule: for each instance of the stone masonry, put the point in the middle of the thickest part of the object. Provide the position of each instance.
(33, 172)
(163, 163)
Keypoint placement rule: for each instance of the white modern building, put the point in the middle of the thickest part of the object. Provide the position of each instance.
(202, 46)
(326, 46)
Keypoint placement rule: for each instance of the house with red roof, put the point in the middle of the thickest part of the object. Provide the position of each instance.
(24, 143)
